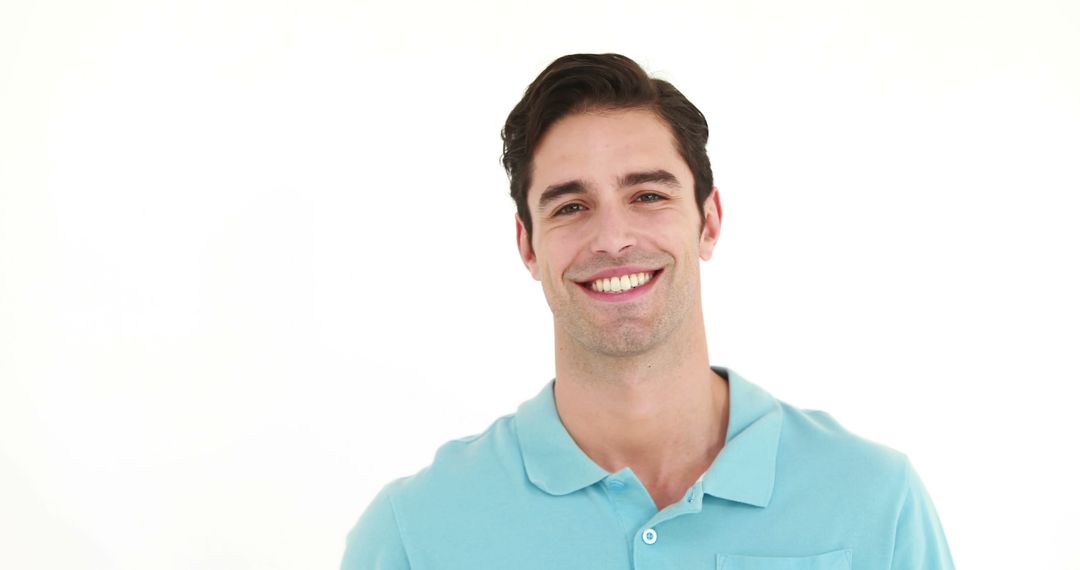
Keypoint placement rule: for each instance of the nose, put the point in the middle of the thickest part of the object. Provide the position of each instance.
(612, 231)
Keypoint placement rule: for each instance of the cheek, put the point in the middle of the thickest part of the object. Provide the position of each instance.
(555, 256)
(671, 232)
(669, 224)
(552, 261)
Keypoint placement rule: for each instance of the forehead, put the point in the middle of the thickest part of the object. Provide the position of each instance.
(599, 146)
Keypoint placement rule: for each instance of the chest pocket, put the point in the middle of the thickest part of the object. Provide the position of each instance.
(837, 560)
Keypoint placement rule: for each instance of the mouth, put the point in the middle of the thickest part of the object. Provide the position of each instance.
(621, 284)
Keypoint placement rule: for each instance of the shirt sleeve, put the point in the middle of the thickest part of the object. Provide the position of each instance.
(920, 541)
(375, 542)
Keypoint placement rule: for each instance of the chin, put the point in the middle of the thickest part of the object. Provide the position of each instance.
(635, 347)
(628, 340)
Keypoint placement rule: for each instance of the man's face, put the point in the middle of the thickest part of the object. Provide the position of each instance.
(616, 231)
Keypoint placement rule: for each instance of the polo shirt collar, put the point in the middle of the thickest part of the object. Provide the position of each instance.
(553, 460)
(744, 471)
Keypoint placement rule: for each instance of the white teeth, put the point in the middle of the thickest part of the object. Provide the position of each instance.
(621, 283)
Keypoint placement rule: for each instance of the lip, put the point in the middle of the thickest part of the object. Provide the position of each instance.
(623, 296)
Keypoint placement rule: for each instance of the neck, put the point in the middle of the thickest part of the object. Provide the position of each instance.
(663, 412)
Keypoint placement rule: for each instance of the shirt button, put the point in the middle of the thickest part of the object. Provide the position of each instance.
(649, 536)
(616, 485)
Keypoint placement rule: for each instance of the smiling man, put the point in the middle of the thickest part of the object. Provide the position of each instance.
(639, 454)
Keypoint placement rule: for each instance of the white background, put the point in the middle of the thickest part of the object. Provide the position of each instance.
(257, 258)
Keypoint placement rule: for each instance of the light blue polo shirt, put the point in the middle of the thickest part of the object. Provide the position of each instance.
(790, 490)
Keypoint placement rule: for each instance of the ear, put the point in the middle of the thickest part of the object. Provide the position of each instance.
(528, 256)
(710, 230)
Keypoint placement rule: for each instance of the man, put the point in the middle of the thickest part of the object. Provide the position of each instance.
(639, 454)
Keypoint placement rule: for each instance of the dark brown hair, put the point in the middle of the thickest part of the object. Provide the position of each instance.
(574, 83)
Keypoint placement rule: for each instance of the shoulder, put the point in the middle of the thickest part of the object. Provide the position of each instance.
(462, 468)
(468, 472)
(818, 432)
(814, 445)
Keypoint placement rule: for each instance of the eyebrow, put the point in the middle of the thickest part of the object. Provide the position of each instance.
(658, 176)
(555, 191)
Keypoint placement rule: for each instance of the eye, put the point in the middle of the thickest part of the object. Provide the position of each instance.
(649, 197)
(569, 209)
